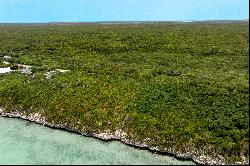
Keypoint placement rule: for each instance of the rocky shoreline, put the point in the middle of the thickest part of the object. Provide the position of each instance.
(121, 136)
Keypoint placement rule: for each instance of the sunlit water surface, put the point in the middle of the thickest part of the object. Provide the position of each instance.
(22, 142)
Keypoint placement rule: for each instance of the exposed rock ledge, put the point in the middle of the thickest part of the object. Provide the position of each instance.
(120, 135)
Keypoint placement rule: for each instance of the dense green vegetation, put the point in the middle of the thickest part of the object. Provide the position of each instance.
(181, 85)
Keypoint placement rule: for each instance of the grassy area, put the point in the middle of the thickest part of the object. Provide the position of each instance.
(181, 85)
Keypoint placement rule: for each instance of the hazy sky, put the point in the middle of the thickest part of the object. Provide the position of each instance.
(121, 10)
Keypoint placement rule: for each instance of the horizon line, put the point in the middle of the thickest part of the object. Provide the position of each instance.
(184, 20)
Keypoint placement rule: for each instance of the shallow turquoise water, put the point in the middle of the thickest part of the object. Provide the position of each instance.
(22, 142)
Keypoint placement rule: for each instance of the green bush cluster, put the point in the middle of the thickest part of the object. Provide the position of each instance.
(183, 86)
